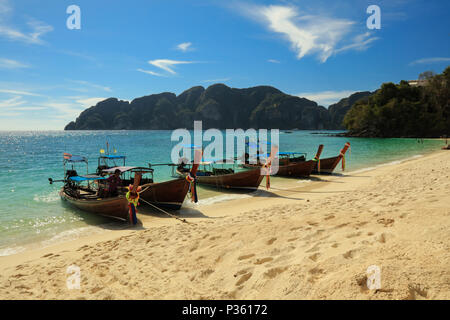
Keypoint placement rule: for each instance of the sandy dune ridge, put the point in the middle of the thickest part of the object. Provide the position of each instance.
(298, 241)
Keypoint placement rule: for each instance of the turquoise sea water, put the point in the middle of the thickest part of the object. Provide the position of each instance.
(32, 213)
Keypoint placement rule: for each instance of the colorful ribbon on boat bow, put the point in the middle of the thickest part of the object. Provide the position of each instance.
(192, 187)
(133, 197)
(342, 154)
(268, 166)
(133, 202)
(318, 163)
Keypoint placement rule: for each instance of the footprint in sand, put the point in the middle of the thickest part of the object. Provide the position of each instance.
(243, 278)
(272, 273)
(240, 272)
(352, 235)
(206, 273)
(316, 273)
(416, 291)
(263, 260)
(386, 222)
(246, 256)
(271, 241)
(316, 270)
(95, 290)
(329, 217)
(314, 257)
(360, 224)
(350, 254)
(384, 237)
(316, 247)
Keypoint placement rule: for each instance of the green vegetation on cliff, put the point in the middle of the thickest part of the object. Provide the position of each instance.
(404, 111)
(338, 110)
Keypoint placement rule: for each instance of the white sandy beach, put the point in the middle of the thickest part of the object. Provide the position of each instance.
(298, 241)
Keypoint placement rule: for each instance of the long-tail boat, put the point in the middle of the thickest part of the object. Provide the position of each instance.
(292, 164)
(81, 191)
(168, 194)
(222, 177)
(327, 165)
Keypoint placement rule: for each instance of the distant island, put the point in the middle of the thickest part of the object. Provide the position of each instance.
(409, 109)
(419, 108)
(218, 106)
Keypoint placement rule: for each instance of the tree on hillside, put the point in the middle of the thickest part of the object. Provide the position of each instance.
(426, 75)
(404, 111)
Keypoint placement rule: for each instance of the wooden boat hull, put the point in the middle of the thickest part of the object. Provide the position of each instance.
(115, 207)
(250, 179)
(327, 165)
(168, 194)
(301, 169)
(296, 169)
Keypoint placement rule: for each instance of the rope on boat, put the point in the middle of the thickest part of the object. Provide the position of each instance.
(169, 214)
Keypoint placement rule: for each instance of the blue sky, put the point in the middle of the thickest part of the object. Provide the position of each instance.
(321, 50)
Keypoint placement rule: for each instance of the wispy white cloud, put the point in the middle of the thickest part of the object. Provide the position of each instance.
(217, 80)
(19, 92)
(325, 98)
(12, 102)
(91, 85)
(308, 34)
(273, 61)
(185, 46)
(430, 61)
(167, 64)
(11, 64)
(151, 72)
(29, 108)
(65, 110)
(5, 8)
(360, 42)
(36, 28)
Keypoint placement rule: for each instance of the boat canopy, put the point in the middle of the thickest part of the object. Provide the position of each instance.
(74, 158)
(112, 157)
(288, 153)
(126, 169)
(122, 169)
(86, 178)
